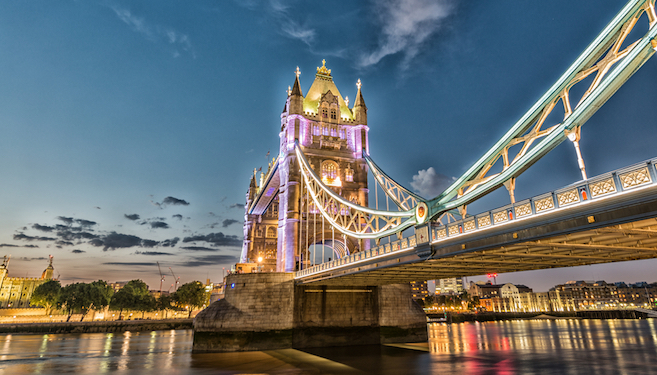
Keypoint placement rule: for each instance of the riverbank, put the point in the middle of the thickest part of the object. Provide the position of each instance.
(98, 327)
(495, 316)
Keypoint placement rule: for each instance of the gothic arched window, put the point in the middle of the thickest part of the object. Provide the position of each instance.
(330, 173)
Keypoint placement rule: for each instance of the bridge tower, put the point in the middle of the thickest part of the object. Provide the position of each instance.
(333, 137)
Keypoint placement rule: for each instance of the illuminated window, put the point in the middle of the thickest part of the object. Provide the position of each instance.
(330, 173)
(325, 130)
(334, 114)
(342, 133)
(324, 112)
(316, 130)
(334, 133)
(259, 232)
(349, 174)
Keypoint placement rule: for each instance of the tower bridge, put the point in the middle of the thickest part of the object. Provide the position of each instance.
(315, 194)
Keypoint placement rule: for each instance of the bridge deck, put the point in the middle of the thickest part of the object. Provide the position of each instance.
(621, 227)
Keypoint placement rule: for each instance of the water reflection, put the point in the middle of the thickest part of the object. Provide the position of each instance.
(553, 346)
(508, 347)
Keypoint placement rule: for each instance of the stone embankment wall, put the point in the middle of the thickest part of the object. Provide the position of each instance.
(264, 311)
(98, 327)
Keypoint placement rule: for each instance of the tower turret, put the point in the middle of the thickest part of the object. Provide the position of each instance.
(295, 105)
(48, 272)
(360, 109)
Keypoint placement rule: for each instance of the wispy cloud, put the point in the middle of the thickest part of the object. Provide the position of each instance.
(156, 33)
(289, 26)
(405, 26)
(429, 184)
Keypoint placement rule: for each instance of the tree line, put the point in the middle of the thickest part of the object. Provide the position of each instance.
(80, 298)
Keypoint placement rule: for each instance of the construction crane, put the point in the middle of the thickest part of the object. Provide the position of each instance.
(161, 276)
(177, 279)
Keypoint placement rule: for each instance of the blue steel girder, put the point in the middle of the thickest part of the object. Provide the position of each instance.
(612, 66)
(402, 197)
(347, 217)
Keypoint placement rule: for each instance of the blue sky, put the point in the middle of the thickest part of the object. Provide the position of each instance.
(112, 109)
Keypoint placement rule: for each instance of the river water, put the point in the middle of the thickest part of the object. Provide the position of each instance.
(506, 347)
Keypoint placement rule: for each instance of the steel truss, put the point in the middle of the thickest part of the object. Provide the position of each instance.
(605, 57)
(612, 67)
(347, 217)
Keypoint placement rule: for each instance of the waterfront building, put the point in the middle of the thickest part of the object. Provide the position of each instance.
(15, 292)
(584, 295)
(419, 290)
(452, 285)
(117, 285)
(639, 294)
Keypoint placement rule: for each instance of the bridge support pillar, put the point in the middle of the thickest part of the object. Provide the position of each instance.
(264, 311)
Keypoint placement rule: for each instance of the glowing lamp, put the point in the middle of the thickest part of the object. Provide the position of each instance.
(572, 136)
(259, 259)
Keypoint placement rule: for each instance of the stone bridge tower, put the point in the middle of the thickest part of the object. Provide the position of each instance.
(332, 136)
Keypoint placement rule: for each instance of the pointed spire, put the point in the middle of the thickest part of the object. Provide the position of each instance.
(295, 96)
(360, 109)
(296, 90)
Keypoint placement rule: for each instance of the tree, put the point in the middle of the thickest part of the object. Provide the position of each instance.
(191, 295)
(133, 296)
(46, 295)
(81, 297)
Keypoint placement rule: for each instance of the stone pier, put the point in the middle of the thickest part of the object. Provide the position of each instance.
(263, 311)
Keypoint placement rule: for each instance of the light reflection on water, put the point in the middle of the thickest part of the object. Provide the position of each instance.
(506, 347)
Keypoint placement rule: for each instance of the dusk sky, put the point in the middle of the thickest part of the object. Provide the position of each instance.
(130, 129)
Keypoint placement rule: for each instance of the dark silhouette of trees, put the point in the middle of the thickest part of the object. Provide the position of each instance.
(133, 296)
(46, 295)
(191, 295)
(81, 297)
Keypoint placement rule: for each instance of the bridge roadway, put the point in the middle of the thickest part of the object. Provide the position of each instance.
(609, 218)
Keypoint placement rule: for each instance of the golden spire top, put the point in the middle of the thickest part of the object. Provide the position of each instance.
(358, 84)
(289, 91)
(323, 70)
(297, 72)
(346, 100)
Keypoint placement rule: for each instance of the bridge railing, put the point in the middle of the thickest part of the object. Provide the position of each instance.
(637, 176)
(373, 253)
(596, 188)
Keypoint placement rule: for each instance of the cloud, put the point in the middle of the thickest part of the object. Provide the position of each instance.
(67, 220)
(81, 222)
(159, 225)
(177, 216)
(290, 27)
(78, 251)
(130, 264)
(156, 33)
(175, 201)
(429, 184)
(210, 260)
(26, 258)
(43, 228)
(217, 239)
(199, 248)
(115, 241)
(170, 243)
(237, 205)
(405, 26)
(152, 253)
(226, 223)
(132, 217)
(8, 245)
(24, 237)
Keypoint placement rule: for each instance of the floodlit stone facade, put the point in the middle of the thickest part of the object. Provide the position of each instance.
(15, 292)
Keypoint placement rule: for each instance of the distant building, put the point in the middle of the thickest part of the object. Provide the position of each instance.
(453, 285)
(584, 295)
(419, 290)
(639, 294)
(15, 292)
(117, 285)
